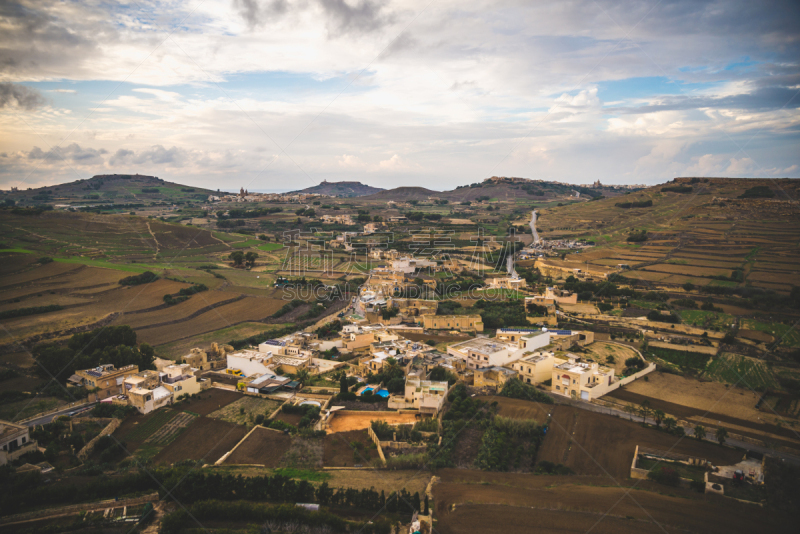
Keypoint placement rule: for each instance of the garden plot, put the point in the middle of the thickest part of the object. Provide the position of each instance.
(245, 410)
(167, 433)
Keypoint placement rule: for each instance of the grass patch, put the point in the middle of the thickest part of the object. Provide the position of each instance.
(17, 250)
(787, 335)
(15, 411)
(269, 247)
(685, 360)
(735, 369)
(691, 472)
(706, 319)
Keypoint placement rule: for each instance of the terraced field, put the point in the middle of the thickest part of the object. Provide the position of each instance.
(742, 371)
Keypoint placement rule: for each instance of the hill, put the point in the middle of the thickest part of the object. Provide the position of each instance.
(341, 189)
(725, 233)
(110, 188)
(404, 194)
(499, 188)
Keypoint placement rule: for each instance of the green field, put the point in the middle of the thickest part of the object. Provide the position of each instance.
(683, 359)
(787, 335)
(742, 371)
(269, 247)
(706, 319)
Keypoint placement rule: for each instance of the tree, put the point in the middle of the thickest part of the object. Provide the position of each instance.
(645, 411)
(425, 512)
(721, 435)
(250, 258)
(670, 424)
(303, 376)
(237, 257)
(343, 384)
(699, 432)
(415, 501)
(658, 415)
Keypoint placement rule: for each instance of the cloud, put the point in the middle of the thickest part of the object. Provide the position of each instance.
(72, 91)
(347, 160)
(256, 13)
(155, 155)
(19, 95)
(363, 17)
(73, 153)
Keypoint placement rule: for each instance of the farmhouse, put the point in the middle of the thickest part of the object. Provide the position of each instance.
(15, 440)
(106, 379)
(414, 307)
(180, 380)
(424, 395)
(465, 323)
(510, 345)
(492, 377)
(535, 368)
(507, 282)
(577, 379)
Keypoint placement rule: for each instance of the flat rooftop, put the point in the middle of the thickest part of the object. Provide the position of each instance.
(484, 345)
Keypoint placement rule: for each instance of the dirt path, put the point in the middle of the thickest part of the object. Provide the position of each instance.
(158, 248)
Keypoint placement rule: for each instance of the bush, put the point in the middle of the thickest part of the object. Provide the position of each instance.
(22, 312)
(549, 468)
(665, 475)
(628, 205)
(759, 191)
(677, 189)
(515, 388)
(144, 278)
(685, 303)
(637, 237)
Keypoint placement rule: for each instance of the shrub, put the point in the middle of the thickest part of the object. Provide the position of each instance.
(515, 388)
(759, 191)
(677, 189)
(144, 278)
(665, 475)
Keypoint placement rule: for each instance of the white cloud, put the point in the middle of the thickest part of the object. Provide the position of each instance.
(448, 97)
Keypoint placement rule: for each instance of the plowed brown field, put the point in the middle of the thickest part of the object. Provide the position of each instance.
(263, 447)
(508, 503)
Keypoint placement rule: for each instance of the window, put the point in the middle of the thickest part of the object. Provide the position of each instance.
(558, 388)
(24, 439)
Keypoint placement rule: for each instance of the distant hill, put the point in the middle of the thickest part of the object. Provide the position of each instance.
(111, 188)
(341, 189)
(496, 188)
(404, 194)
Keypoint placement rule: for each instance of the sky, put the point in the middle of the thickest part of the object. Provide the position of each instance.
(283, 94)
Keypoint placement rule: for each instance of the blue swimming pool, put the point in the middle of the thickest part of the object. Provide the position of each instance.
(382, 392)
(366, 390)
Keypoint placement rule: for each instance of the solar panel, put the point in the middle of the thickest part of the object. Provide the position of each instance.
(94, 373)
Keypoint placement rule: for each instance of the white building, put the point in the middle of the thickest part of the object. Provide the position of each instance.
(427, 396)
(487, 352)
(250, 362)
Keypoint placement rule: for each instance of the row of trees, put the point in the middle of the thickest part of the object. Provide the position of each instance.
(114, 345)
(646, 411)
